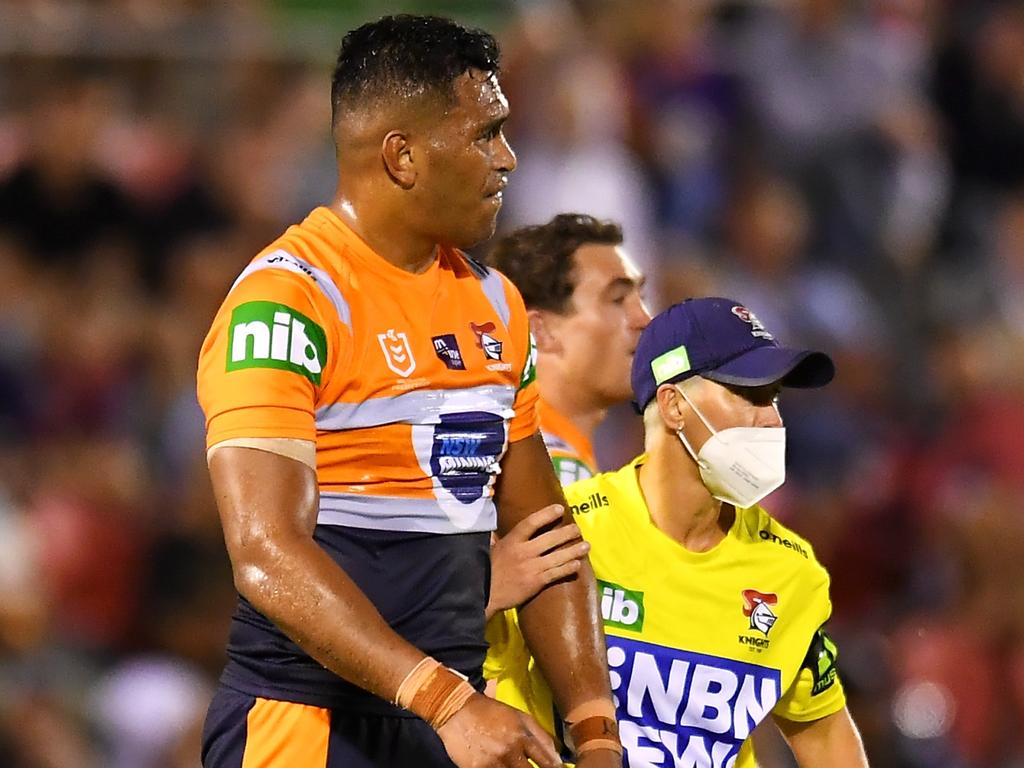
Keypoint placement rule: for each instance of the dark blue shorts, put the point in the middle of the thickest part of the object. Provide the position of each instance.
(244, 731)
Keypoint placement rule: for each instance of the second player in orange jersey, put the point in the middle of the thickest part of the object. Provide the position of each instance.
(583, 294)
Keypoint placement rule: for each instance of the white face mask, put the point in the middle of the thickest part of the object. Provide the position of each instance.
(740, 465)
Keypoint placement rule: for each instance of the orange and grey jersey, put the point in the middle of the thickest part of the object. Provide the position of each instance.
(412, 386)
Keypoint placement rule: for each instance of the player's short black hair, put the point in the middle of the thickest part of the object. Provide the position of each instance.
(539, 259)
(404, 56)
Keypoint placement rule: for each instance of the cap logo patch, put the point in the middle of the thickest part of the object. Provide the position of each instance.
(756, 326)
(670, 364)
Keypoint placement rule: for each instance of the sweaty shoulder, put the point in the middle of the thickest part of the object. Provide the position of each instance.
(313, 255)
(319, 248)
(273, 344)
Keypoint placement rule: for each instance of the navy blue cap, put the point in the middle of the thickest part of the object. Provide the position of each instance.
(722, 340)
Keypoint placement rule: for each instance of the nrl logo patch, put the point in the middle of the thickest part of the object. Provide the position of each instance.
(397, 352)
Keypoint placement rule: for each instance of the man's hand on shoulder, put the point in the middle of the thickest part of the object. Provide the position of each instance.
(486, 733)
(523, 563)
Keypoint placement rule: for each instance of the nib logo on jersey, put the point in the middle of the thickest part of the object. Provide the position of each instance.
(679, 708)
(264, 334)
(465, 452)
(621, 607)
(757, 607)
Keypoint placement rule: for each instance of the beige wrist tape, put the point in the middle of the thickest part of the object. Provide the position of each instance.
(592, 726)
(434, 692)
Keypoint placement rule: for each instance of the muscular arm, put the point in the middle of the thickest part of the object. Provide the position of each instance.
(831, 741)
(268, 509)
(562, 624)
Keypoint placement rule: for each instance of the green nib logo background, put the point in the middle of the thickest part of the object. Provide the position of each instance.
(264, 334)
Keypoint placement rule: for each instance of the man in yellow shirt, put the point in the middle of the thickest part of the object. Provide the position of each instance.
(582, 292)
(714, 612)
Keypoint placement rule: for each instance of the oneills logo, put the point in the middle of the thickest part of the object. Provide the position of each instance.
(593, 501)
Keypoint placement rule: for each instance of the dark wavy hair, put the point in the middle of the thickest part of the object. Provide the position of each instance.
(539, 259)
(407, 56)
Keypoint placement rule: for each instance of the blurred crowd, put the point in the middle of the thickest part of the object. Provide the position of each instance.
(852, 170)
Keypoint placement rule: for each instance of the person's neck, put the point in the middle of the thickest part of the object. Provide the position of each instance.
(679, 504)
(567, 399)
(407, 250)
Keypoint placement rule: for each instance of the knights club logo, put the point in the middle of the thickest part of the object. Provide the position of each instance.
(397, 352)
(756, 326)
(485, 341)
(757, 607)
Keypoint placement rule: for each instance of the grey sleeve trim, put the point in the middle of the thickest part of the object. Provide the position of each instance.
(494, 289)
(281, 259)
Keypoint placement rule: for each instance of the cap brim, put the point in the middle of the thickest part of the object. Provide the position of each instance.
(801, 368)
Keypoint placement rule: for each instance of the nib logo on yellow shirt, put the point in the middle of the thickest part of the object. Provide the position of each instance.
(264, 334)
(621, 607)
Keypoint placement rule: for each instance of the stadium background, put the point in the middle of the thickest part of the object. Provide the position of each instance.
(852, 170)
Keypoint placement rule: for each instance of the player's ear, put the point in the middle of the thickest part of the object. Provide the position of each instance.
(541, 326)
(672, 407)
(397, 155)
